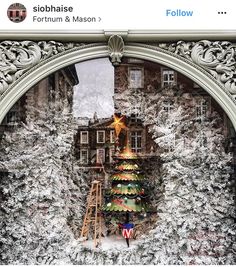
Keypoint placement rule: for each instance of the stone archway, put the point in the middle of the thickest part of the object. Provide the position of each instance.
(210, 64)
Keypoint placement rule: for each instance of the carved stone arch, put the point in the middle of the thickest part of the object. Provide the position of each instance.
(68, 54)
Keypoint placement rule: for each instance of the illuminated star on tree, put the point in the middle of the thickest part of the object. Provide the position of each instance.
(118, 124)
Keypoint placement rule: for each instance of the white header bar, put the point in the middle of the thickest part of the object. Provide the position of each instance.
(121, 15)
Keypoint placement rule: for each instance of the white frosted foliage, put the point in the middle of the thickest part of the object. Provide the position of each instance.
(43, 197)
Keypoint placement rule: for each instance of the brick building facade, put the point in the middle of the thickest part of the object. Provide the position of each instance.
(134, 81)
(55, 91)
(95, 142)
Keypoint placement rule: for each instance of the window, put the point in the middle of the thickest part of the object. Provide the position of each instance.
(135, 112)
(168, 105)
(136, 141)
(136, 78)
(202, 107)
(12, 117)
(100, 155)
(112, 136)
(134, 118)
(112, 153)
(168, 77)
(84, 137)
(84, 156)
(100, 136)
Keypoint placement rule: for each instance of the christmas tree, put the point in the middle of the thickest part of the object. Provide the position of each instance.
(127, 193)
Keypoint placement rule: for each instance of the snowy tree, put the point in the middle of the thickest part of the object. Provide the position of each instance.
(130, 102)
(41, 211)
(196, 214)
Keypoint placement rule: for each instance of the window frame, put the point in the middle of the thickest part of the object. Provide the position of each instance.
(136, 148)
(168, 107)
(97, 155)
(104, 136)
(83, 150)
(112, 137)
(14, 112)
(111, 154)
(141, 83)
(168, 82)
(81, 139)
(200, 105)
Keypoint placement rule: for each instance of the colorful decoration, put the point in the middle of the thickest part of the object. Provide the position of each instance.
(127, 186)
(127, 194)
(127, 166)
(127, 231)
(118, 124)
(127, 176)
(127, 153)
(124, 189)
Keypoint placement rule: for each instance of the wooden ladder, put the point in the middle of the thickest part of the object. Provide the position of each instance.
(92, 219)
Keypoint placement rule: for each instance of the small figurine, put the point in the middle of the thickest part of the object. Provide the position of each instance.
(127, 231)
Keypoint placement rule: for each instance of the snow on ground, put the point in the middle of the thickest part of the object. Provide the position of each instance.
(111, 242)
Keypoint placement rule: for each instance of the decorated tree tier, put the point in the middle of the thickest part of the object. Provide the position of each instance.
(127, 193)
(128, 166)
